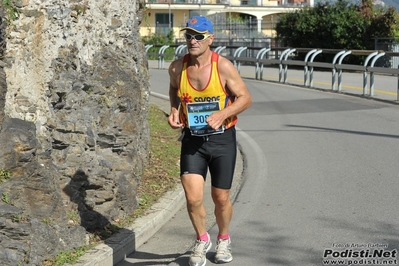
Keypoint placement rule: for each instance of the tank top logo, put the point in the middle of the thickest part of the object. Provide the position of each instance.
(207, 99)
(186, 98)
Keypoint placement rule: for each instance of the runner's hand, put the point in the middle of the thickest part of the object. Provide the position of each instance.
(174, 121)
(215, 120)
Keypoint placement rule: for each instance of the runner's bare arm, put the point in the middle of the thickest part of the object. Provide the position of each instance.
(232, 80)
(174, 76)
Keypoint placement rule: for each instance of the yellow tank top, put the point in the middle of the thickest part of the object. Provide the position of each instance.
(213, 92)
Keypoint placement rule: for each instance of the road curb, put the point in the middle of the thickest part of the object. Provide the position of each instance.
(128, 239)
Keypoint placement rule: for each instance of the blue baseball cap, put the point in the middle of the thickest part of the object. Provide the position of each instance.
(199, 24)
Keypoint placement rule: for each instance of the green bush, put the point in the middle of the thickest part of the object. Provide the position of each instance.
(342, 25)
(159, 40)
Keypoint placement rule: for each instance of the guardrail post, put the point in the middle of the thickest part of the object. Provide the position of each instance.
(280, 65)
(372, 73)
(147, 47)
(305, 68)
(238, 54)
(334, 71)
(235, 55)
(179, 50)
(340, 71)
(261, 65)
(286, 66)
(311, 68)
(260, 55)
(161, 58)
(219, 49)
(365, 71)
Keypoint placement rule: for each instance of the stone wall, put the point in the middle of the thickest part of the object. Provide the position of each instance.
(74, 91)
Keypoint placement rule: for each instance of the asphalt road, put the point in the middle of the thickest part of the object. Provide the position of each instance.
(327, 188)
(332, 176)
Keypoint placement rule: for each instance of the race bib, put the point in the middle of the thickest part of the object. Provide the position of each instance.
(197, 113)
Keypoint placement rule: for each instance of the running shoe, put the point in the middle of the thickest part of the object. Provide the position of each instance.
(223, 251)
(198, 254)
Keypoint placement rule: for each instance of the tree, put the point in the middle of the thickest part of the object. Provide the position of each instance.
(341, 25)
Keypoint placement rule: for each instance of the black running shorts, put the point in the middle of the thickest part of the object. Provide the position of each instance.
(217, 152)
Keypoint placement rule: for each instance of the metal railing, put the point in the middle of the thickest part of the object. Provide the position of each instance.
(280, 57)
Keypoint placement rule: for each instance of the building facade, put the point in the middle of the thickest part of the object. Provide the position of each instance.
(238, 18)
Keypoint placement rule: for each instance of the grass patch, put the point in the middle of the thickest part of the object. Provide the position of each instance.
(64, 257)
(162, 171)
(160, 175)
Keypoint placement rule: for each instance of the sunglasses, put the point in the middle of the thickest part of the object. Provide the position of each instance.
(197, 37)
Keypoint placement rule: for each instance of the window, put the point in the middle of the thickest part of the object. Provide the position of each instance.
(162, 23)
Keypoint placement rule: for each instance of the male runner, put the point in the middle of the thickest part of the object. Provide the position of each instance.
(206, 95)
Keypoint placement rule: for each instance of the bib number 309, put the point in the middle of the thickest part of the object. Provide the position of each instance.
(197, 113)
(200, 119)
